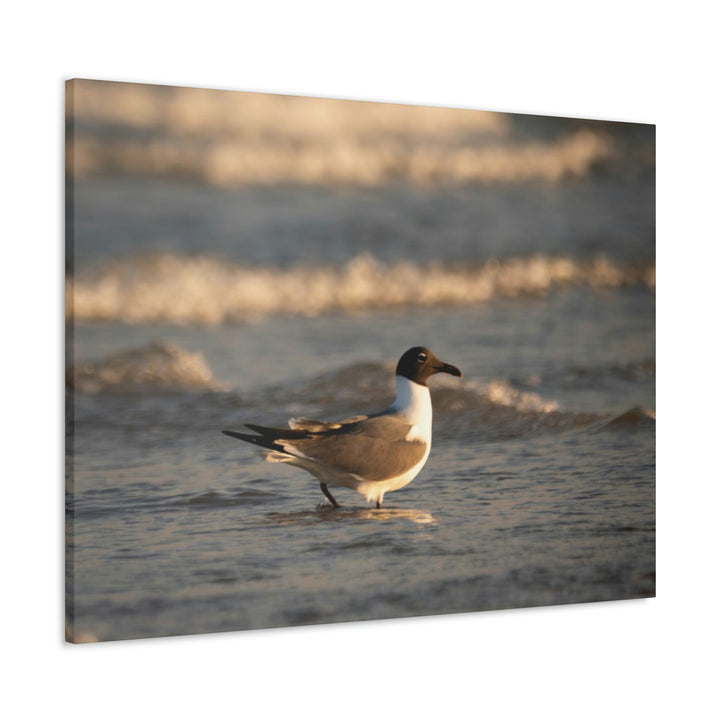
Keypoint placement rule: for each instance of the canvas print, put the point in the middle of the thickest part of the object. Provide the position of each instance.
(332, 361)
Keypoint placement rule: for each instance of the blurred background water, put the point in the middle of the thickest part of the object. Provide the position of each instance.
(236, 257)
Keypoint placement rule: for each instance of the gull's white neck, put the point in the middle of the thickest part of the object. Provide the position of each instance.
(413, 401)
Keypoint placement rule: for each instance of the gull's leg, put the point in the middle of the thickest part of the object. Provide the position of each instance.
(327, 494)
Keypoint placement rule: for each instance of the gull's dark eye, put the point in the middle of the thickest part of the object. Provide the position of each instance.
(422, 357)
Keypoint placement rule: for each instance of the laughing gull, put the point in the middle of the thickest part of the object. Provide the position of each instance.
(372, 454)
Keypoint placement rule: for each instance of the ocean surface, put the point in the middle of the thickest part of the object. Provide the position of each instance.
(196, 308)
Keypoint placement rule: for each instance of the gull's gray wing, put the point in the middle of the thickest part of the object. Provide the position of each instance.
(374, 448)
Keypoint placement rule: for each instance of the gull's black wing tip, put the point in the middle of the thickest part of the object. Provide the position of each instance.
(239, 436)
(264, 442)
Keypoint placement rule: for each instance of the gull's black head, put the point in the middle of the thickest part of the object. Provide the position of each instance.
(419, 363)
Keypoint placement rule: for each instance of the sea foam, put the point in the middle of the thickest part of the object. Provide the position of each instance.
(182, 290)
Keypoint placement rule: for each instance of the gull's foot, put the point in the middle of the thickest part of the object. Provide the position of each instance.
(329, 496)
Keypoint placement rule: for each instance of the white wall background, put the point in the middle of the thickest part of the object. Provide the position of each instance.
(636, 61)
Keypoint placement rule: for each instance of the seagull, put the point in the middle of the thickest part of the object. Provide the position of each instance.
(373, 454)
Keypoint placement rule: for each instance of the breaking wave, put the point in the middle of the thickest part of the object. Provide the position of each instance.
(229, 139)
(180, 290)
(154, 367)
(236, 162)
(471, 410)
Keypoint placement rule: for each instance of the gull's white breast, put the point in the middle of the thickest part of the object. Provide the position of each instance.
(414, 404)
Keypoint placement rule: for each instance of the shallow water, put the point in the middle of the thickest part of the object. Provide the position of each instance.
(199, 536)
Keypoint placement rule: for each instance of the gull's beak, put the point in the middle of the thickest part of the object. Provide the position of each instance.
(447, 368)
